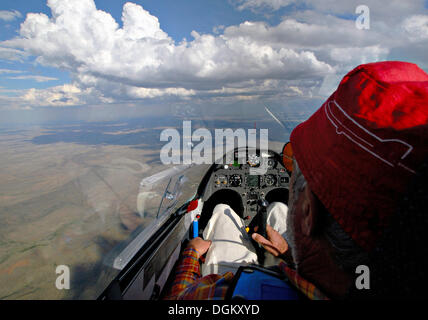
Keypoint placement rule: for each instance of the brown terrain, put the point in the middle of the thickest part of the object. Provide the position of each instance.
(65, 202)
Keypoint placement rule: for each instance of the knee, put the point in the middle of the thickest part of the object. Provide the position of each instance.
(278, 206)
(221, 208)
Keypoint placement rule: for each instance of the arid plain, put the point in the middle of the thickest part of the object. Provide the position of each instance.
(68, 196)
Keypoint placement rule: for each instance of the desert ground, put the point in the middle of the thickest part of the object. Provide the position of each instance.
(68, 196)
(65, 204)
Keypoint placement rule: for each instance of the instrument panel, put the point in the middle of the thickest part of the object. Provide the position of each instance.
(251, 184)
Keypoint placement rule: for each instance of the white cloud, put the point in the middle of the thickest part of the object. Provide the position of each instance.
(337, 6)
(145, 93)
(386, 13)
(67, 95)
(332, 40)
(8, 71)
(59, 96)
(364, 55)
(33, 77)
(416, 27)
(10, 15)
(251, 60)
(392, 10)
(12, 54)
(332, 32)
(218, 29)
(252, 4)
(90, 44)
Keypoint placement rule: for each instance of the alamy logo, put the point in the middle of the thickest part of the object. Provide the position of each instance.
(199, 147)
(363, 280)
(363, 20)
(63, 280)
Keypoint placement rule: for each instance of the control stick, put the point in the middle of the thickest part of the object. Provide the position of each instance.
(263, 204)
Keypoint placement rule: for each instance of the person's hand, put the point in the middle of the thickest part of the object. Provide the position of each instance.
(275, 243)
(200, 245)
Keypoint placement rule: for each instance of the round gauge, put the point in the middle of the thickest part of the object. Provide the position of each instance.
(235, 180)
(270, 180)
(221, 180)
(253, 160)
(271, 163)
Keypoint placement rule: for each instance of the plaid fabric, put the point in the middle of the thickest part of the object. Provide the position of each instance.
(304, 286)
(189, 285)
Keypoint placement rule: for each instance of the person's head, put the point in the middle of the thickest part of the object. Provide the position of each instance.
(321, 250)
(353, 160)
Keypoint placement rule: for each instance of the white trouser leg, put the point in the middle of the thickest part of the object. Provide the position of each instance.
(277, 217)
(231, 246)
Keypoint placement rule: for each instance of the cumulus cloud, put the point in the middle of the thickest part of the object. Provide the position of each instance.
(61, 96)
(338, 7)
(384, 14)
(334, 41)
(58, 96)
(364, 55)
(10, 15)
(90, 44)
(145, 93)
(416, 27)
(81, 38)
(138, 60)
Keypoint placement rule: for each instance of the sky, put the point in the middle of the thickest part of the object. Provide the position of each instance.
(87, 59)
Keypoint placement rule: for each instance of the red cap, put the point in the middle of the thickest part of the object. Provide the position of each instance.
(360, 150)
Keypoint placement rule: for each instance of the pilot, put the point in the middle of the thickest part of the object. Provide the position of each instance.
(356, 222)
